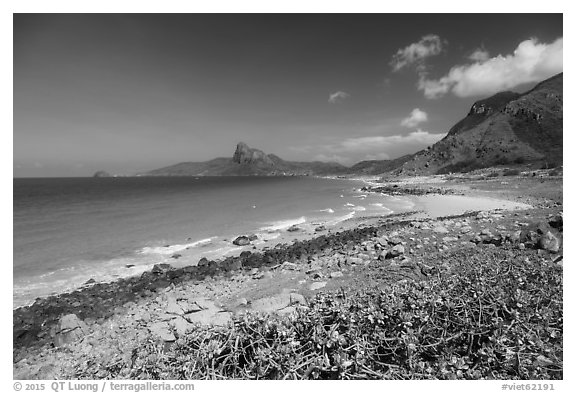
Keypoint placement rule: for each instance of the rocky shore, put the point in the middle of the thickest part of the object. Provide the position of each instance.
(111, 330)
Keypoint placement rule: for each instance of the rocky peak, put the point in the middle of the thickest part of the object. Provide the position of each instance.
(246, 155)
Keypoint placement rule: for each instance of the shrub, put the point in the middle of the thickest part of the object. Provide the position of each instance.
(511, 172)
(485, 318)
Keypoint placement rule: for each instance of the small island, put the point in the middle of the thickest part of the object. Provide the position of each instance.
(101, 174)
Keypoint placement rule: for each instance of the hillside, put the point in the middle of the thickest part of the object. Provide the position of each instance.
(247, 161)
(503, 129)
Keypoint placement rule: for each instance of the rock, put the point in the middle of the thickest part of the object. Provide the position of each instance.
(161, 268)
(181, 326)
(176, 256)
(91, 281)
(101, 174)
(447, 239)
(465, 229)
(162, 330)
(353, 261)
(336, 274)
(395, 251)
(439, 229)
(252, 237)
(289, 266)
(394, 241)
(557, 222)
(549, 242)
(241, 241)
(296, 298)
(320, 228)
(128, 266)
(293, 228)
(174, 308)
(317, 285)
(68, 330)
(271, 303)
(203, 262)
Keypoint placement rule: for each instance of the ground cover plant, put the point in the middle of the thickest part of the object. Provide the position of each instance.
(495, 315)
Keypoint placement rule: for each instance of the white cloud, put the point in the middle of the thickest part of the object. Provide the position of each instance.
(338, 97)
(415, 53)
(352, 150)
(416, 117)
(531, 62)
(479, 55)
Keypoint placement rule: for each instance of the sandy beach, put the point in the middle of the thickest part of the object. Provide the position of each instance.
(108, 330)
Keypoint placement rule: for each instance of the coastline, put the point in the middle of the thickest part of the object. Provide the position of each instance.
(267, 272)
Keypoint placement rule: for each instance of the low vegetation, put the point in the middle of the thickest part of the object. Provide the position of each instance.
(497, 319)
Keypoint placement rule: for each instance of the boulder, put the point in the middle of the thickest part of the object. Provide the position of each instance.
(395, 251)
(68, 330)
(336, 274)
(293, 228)
(160, 268)
(241, 241)
(549, 242)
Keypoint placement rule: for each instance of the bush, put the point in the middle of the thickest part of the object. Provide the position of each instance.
(486, 318)
(511, 172)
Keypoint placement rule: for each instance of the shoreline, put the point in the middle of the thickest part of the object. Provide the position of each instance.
(426, 202)
(239, 284)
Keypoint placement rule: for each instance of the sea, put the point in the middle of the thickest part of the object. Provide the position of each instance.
(70, 230)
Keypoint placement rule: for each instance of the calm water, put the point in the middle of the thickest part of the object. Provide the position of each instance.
(68, 230)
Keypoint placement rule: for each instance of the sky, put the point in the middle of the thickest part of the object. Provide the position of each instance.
(130, 93)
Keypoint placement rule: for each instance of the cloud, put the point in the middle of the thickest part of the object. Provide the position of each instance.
(339, 96)
(417, 52)
(479, 55)
(352, 150)
(416, 117)
(531, 61)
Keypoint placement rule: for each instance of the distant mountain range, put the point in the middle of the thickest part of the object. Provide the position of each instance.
(247, 161)
(506, 128)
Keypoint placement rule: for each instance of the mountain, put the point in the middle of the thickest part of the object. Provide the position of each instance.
(376, 167)
(247, 161)
(503, 129)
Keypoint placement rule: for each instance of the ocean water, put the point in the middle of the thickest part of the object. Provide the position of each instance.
(68, 230)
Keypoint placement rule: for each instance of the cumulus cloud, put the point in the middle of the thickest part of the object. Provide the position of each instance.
(531, 61)
(479, 55)
(339, 96)
(352, 150)
(417, 52)
(416, 117)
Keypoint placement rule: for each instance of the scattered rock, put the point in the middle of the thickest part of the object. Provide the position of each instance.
(69, 329)
(161, 268)
(317, 285)
(241, 241)
(439, 229)
(549, 242)
(395, 251)
(320, 228)
(336, 274)
(293, 228)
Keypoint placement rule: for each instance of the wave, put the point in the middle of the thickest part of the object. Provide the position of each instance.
(166, 250)
(342, 218)
(349, 204)
(283, 224)
(326, 210)
(359, 208)
(381, 206)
